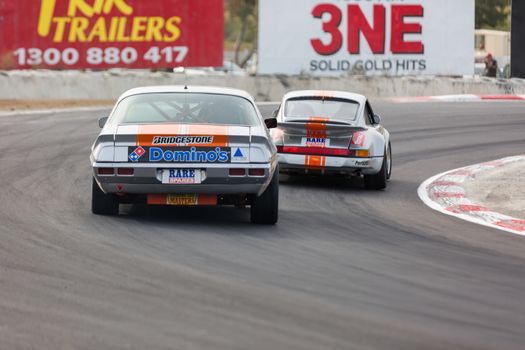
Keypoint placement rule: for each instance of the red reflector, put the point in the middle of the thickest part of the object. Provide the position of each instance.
(237, 172)
(317, 151)
(106, 171)
(256, 172)
(126, 171)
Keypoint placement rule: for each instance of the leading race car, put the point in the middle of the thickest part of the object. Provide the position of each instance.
(332, 132)
(186, 146)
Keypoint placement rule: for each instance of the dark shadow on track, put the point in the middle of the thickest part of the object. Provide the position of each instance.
(339, 182)
(187, 215)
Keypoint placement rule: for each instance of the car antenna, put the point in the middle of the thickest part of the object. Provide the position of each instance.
(185, 87)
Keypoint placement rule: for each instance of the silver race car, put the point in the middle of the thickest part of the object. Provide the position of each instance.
(186, 146)
(332, 132)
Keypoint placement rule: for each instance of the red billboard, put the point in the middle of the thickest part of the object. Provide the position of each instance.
(101, 34)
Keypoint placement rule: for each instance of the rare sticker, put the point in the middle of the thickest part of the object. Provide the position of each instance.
(181, 176)
(315, 142)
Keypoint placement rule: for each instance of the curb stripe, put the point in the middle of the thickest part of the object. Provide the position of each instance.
(458, 98)
(447, 197)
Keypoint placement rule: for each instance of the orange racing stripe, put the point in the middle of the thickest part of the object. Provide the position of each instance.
(220, 133)
(314, 162)
(325, 94)
(146, 133)
(316, 128)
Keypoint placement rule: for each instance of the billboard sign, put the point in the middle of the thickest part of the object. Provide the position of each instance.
(101, 34)
(373, 37)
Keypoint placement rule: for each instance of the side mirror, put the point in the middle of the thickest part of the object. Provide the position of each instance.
(377, 119)
(275, 113)
(102, 121)
(271, 123)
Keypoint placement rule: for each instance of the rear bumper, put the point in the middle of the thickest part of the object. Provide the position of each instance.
(339, 165)
(147, 179)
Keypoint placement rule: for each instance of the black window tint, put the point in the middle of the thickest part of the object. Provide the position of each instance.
(186, 108)
(369, 114)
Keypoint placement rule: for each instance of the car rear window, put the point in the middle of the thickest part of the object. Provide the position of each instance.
(185, 108)
(335, 108)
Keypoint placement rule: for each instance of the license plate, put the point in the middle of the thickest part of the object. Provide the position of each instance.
(182, 199)
(181, 176)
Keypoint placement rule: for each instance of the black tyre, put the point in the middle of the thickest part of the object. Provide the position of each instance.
(378, 181)
(101, 203)
(265, 209)
(389, 162)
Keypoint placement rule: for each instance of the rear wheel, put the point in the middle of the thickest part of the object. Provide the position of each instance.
(389, 162)
(101, 203)
(265, 209)
(378, 181)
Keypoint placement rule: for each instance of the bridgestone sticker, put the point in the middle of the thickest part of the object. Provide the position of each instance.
(182, 140)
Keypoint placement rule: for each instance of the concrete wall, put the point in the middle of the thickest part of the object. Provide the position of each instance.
(110, 84)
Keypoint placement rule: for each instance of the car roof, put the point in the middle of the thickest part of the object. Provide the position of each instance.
(326, 93)
(186, 89)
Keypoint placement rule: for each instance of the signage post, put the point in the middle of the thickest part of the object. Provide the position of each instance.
(517, 59)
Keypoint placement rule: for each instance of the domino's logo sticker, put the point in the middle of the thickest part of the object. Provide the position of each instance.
(179, 154)
(136, 154)
(240, 154)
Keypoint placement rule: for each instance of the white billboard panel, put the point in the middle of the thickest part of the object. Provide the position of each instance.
(373, 37)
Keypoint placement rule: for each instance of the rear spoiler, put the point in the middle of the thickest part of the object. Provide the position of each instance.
(332, 127)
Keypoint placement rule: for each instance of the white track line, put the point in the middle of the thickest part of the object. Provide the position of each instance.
(459, 98)
(53, 111)
(451, 180)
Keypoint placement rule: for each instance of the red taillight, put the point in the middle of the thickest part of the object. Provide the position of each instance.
(317, 151)
(106, 171)
(126, 171)
(256, 172)
(237, 172)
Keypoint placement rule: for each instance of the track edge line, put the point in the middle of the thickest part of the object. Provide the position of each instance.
(423, 195)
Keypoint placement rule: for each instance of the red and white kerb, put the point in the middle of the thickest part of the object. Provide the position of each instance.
(446, 193)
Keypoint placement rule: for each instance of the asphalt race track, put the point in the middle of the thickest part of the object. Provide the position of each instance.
(345, 268)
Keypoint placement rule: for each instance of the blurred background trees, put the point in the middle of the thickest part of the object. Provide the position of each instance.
(241, 29)
(493, 14)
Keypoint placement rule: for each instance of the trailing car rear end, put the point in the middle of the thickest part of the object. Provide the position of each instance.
(153, 159)
(202, 147)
